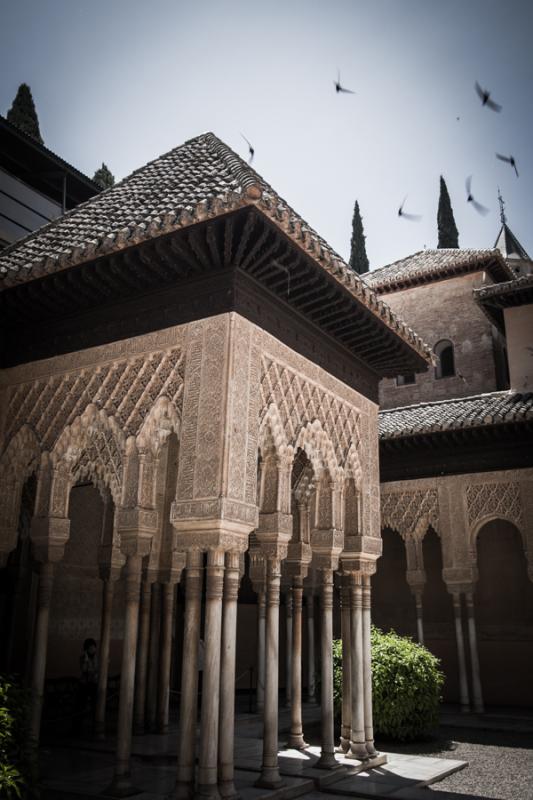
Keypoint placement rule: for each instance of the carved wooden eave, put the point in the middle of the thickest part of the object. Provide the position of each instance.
(240, 261)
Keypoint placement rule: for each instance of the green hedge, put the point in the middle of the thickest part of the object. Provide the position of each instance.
(17, 758)
(406, 686)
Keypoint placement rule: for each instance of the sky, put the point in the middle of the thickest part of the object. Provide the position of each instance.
(123, 81)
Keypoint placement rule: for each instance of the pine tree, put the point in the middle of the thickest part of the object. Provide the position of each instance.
(358, 257)
(104, 177)
(23, 115)
(448, 233)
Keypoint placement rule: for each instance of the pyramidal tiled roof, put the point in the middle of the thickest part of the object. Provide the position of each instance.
(464, 412)
(428, 265)
(200, 179)
(508, 244)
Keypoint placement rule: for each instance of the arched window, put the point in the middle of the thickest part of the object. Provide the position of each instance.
(446, 364)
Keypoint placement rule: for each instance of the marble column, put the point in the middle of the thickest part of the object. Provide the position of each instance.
(121, 785)
(40, 646)
(153, 657)
(474, 655)
(459, 637)
(261, 623)
(311, 685)
(288, 647)
(296, 737)
(209, 726)
(142, 657)
(189, 675)
(227, 678)
(346, 720)
(419, 617)
(270, 777)
(367, 667)
(357, 737)
(108, 590)
(165, 657)
(327, 758)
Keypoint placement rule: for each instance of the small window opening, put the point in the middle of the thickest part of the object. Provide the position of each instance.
(405, 380)
(446, 362)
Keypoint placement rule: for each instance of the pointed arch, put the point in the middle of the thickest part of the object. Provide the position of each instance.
(93, 447)
(162, 420)
(317, 445)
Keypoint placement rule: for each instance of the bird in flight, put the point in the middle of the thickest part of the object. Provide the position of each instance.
(484, 96)
(403, 214)
(339, 87)
(508, 160)
(470, 198)
(251, 149)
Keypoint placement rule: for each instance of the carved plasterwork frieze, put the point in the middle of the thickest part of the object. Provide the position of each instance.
(301, 401)
(491, 500)
(410, 512)
(125, 389)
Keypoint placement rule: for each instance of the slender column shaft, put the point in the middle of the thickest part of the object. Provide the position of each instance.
(346, 722)
(288, 647)
(40, 647)
(208, 755)
(270, 777)
(165, 659)
(463, 680)
(122, 780)
(142, 657)
(419, 618)
(311, 686)
(474, 655)
(189, 675)
(296, 737)
(227, 678)
(261, 622)
(327, 758)
(357, 738)
(153, 657)
(108, 589)
(367, 667)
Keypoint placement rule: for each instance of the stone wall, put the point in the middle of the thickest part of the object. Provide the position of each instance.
(446, 310)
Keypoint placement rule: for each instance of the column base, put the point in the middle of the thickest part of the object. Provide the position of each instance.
(465, 709)
(343, 746)
(327, 761)
(207, 791)
(121, 786)
(358, 751)
(297, 742)
(479, 709)
(227, 790)
(371, 750)
(270, 779)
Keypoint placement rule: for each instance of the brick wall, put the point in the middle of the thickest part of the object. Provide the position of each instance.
(446, 310)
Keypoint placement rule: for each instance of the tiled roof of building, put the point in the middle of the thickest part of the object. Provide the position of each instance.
(494, 298)
(508, 244)
(64, 165)
(430, 265)
(465, 412)
(201, 179)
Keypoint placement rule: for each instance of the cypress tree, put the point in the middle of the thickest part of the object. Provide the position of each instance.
(358, 257)
(23, 115)
(448, 233)
(104, 177)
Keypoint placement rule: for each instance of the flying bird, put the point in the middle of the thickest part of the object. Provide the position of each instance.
(251, 149)
(470, 198)
(339, 87)
(509, 160)
(484, 96)
(404, 215)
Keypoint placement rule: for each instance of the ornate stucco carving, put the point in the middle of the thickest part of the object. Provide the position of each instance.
(491, 500)
(410, 512)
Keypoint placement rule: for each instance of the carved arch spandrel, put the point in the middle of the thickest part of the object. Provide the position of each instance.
(411, 513)
(18, 462)
(493, 500)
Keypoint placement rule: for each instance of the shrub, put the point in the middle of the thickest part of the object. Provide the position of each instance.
(17, 757)
(406, 686)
